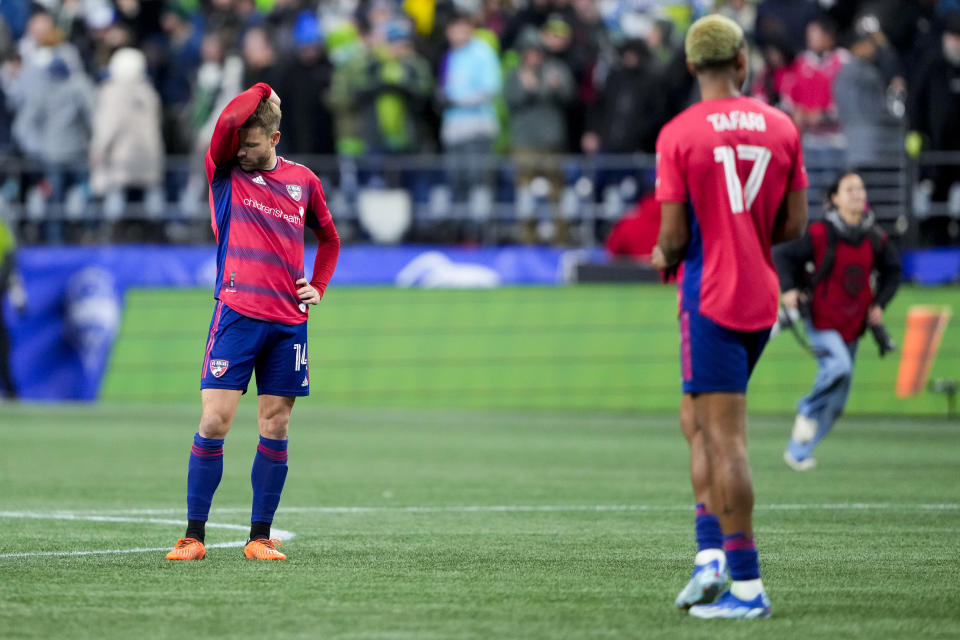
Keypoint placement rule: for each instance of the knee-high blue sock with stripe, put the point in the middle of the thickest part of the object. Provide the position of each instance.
(709, 535)
(203, 478)
(742, 557)
(267, 477)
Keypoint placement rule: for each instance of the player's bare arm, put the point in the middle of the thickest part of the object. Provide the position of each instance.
(793, 220)
(674, 235)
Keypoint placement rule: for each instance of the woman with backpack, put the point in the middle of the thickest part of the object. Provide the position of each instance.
(828, 275)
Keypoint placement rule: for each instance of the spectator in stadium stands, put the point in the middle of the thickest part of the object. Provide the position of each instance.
(631, 89)
(43, 41)
(537, 93)
(593, 50)
(810, 99)
(776, 75)
(397, 85)
(659, 40)
(533, 14)
(785, 19)
(373, 16)
(223, 17)
(126, 152)
(176, 73)
(53, 128)
(740, 11)
(936, 104)
(493, 15)
(469, 85)
(557, 40)
(557, 35)
(846, 250)
(281, 23)
(219, 79)
(260, 59)
(307, 119)
(350, 57)
(872, 132)
(10, 284)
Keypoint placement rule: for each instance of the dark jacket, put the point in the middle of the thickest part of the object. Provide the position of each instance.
(631, 110)
(936, 103)
(799, 265)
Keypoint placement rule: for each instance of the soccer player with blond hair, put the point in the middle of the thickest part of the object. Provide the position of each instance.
(260, 206)
(731, 182)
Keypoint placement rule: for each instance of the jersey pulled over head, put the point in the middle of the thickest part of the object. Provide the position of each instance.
(258, 138)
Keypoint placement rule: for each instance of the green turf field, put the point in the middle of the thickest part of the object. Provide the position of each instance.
(432, 523)
(473, 464)
(592, 348)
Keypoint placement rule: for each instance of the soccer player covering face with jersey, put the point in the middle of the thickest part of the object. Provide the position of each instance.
(259, 206)
(731, 182)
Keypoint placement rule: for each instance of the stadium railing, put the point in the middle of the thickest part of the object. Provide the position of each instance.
(588, 192)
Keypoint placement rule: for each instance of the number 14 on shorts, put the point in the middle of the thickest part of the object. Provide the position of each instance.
(299, 356)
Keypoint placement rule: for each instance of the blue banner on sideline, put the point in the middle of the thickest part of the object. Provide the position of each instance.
(61, 346)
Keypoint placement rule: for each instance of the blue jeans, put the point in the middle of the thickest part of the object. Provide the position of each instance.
(831, 387)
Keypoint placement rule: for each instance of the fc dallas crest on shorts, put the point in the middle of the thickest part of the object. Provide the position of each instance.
(294, 190)
(219, 367)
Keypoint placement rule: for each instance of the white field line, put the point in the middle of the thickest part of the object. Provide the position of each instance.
(136, 516)
(282, 534)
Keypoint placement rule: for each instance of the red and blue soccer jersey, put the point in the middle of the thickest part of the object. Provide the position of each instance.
(258, 219)
(732, 160)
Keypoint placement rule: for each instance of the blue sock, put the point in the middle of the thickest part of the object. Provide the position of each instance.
(203, 475)
(742, 556)
(709, 535)
(267, 477)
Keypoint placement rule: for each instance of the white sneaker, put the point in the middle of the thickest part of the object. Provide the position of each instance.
(804, 429)
(803, 464)
(706, 583)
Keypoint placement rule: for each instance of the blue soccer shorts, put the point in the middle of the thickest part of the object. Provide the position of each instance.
(238, 345)
(714, 359)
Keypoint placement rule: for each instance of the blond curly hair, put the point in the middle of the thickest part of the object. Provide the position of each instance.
(712, 41)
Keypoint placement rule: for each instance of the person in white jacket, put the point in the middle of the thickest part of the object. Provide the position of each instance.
(126, 152)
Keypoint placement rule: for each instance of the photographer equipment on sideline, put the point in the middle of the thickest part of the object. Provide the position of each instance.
(840, 276)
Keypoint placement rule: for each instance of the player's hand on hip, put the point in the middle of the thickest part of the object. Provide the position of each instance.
(875, 315)
(307, 293)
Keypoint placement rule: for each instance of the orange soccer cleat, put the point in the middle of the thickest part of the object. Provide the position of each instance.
(187, 549)
(263, 549)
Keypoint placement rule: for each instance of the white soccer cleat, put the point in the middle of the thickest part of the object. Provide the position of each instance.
(803, 464)
(730, 606)
(706, 582)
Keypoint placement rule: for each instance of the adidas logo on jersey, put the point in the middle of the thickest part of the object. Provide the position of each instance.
(259, 180)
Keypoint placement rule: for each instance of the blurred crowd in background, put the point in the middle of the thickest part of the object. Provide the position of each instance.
(96, 96)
